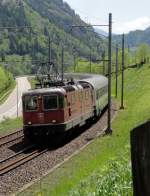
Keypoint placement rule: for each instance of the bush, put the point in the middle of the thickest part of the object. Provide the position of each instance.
(115, 180)
(6, 80)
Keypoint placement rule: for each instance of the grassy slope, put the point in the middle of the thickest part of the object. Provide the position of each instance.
(7, 84)
(9, 125)
(98, 154)
(83, 66)
(5, 95)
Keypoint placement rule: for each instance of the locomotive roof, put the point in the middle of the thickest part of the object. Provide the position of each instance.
(61, 90)
(45, 90)
(96, 81)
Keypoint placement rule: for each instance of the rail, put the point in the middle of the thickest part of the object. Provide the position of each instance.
(19, 158)
(11, 137)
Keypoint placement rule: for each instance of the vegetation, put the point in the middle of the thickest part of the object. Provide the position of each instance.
(138, 57)
(114, 180)
(51, 19)
(32, 82)
(9, 125)
(7, 83)
(98, 169)
(99, 156)
(48, 19)
(135, 38)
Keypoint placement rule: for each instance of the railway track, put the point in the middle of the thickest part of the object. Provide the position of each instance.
(17, 180)
(20, 158)
(4, 140)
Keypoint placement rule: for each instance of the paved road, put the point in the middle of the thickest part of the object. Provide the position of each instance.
(9, 108)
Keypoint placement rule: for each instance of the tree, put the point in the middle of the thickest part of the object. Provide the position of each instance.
(143, 53)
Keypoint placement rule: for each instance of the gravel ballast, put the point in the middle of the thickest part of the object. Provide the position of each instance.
(19, 177)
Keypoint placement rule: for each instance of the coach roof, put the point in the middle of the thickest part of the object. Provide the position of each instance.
(97, 81)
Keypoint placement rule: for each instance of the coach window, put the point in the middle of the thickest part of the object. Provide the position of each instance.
(50, 102)
(31, 103)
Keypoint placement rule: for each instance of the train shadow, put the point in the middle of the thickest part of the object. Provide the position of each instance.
(19, 146)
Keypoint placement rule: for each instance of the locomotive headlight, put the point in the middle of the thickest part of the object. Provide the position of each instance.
(29, 123)
(53, 121)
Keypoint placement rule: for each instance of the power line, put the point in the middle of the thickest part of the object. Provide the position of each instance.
(15, 27)
(90, 25)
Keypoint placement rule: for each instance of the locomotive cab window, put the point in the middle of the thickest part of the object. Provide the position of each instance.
(30, 103)
(50, 102)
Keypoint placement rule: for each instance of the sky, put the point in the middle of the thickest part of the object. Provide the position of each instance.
(128, 15)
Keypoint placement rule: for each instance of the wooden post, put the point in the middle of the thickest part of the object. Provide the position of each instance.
(140, 156)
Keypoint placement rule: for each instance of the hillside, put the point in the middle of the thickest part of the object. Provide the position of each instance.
(48, 19)
(135, 38)
(101, 32)
(7, 83)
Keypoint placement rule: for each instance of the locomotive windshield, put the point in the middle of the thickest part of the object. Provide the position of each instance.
(50, 102)
(30, 103)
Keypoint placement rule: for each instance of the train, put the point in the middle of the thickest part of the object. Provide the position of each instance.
(51, 111)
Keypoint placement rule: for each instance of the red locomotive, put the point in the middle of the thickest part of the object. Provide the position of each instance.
(54, 110)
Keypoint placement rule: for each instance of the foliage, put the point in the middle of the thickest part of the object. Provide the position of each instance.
(7, 84)
(143, 52)
(32, 82)
(135, 38)
(10, 125)
(48, 19)
(6, 79)
(114, 180)
(84, 66)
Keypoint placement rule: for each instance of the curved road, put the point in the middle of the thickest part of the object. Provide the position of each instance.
(9, 108)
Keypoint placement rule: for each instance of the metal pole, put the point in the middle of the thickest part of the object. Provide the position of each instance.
(49, 51)
(122, 83)
(74, 56)
(135, 57)
(90, 61)
(103, 62)
(17, 101)
(116, 70)
(109, 130)
(62, 64)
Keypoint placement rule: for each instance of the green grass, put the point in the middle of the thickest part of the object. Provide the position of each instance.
(84, 67)
(7, 84)
(32, 82)
(4, 95)
(114, 180)
(97, 156)
(10, 125)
